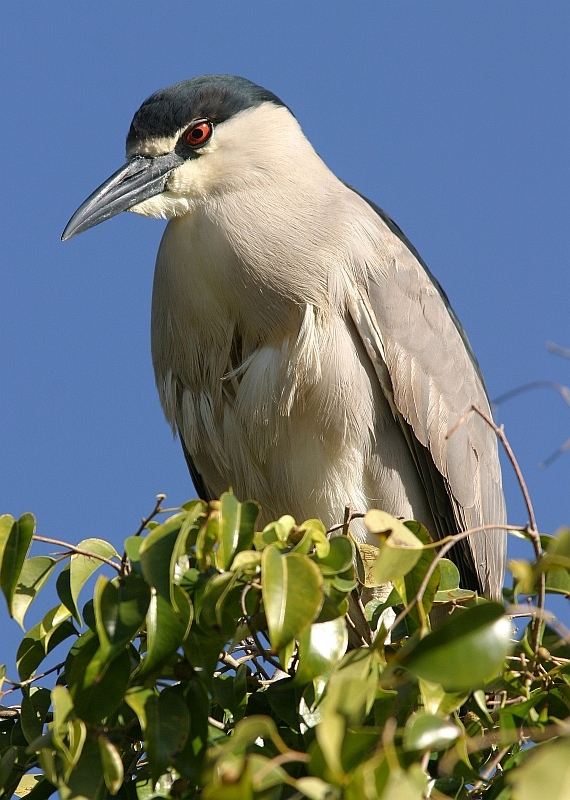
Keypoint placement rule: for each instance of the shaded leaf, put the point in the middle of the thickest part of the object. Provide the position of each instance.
(155, 554)
(166, 629)
(112, 764)
(167, 726)
(466, 651)
(35, 707)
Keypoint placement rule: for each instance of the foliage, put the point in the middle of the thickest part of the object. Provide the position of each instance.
(211, 661)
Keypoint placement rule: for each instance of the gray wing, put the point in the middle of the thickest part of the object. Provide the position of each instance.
(428, 372)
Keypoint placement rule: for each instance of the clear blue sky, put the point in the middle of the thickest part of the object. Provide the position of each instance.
(458, 115)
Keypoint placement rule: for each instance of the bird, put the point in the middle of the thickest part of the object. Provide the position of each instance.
(303, 351)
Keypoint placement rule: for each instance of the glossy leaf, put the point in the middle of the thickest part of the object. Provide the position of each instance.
(321, 646)
(104, 683)
(466, 651)
(34, 574)
(429, 732)
(120, 608)
(112, 764)
(339, 557)
(286, 580)
(15, 539)
(236, 528)
(545, 774)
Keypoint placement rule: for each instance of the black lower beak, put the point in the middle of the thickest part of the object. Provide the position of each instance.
(139, 179)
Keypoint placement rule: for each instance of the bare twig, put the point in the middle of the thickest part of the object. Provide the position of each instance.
(282, 758)
(79, 550)
(343, 526)
(562, 390)
(160, 498)
(557, 350)
(18, 684)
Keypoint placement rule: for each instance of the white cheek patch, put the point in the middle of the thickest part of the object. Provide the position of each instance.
(163, 206)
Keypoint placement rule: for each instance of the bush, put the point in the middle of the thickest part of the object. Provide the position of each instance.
(211, 662)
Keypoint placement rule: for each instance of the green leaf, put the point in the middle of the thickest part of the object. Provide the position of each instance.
(546, 773)
(236, 528)
(166, 629)
(87, 780)
(168, 723)
(35, 707)
(292, 594)
(155, 554)
(136, 698)
(400, 549)
(15, 540)
(82, 567)
(428, 732)
(63, 588)
(113, 772)
(320, 647)
(41, 640)
(448, 575)
(34, 574)
(98, 689)
(466, 651)
(339, 558)
(120, 608)
(414, 578)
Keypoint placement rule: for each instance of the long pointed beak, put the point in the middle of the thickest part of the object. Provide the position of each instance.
(139, 179)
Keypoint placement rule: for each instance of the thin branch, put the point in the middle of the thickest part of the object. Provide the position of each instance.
(160, 498)
(18, 685)
(73, 549)
(450, 541)
(562, 390)
(557, 350)
(282, 758)
(532, 529)
(343, 526)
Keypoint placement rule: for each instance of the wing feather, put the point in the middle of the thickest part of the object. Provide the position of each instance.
(427, 371)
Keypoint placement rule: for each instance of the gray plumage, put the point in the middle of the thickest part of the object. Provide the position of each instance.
(301, 348)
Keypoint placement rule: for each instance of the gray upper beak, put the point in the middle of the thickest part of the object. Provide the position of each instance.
(139, 179)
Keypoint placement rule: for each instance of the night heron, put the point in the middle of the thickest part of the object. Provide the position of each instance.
(302, 349)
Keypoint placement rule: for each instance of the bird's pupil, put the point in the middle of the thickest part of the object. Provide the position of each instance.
(198, 133)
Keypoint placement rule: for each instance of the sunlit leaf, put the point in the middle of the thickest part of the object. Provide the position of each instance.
(41, 640)
(400, 549)
(15, 539)
(34, 574)
(429, 732)
(82, 567)
(321, 645)
(155, 554)
(292, 594)
(545, 774)
(237, 526)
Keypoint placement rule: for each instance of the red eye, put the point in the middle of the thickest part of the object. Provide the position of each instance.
(199, 133)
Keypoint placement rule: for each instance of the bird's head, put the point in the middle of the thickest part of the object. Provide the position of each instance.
(189, 141)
